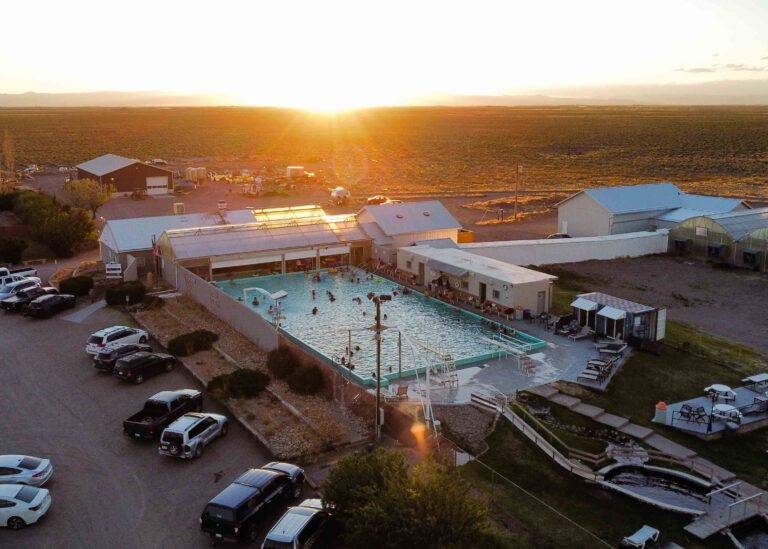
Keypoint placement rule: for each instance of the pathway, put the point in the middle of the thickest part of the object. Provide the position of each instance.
(80, 316)
(704, 526)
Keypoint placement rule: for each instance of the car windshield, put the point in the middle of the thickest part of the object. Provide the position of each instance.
(172, 438)
(219, 512)
(30, 463)
(271, 544)
(94, 339)
(27, 494)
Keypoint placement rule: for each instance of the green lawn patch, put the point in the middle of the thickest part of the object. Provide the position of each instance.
(531, 524)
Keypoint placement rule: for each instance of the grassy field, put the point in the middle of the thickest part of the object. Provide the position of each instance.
(717, 149)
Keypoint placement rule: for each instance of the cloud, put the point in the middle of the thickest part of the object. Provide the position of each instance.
(715, 54)
(764, 58)
(697, 69)
(735, 66)
(752, 69)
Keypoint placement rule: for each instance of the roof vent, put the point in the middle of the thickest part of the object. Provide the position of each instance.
(399, 216)
(426, 213)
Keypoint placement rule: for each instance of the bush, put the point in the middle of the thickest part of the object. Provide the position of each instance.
(135, 291)
(188, 344)
(281, 362)
(77, 285)
(306, 380)
(243, 383)
(152, 302)
(11, 250)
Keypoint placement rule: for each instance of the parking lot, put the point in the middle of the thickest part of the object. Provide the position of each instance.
(107, 490)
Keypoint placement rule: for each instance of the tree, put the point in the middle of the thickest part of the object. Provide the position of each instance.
(376, 498)
(9, 162)
(65, 232)
(88, 194)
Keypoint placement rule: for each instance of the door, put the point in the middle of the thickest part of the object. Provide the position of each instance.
(564, 228)
(421, 274)
(541, 300)
(210, 429)
(483, 292)
(157, 185)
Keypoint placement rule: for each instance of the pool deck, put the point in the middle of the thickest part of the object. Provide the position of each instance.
(562, 358)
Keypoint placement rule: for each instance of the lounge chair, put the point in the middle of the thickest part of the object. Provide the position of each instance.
(399, 393)
(641, 538)
(585, 331)
(613, 349)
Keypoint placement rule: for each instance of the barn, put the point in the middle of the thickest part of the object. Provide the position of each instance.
(616, 210)
(738, 238)
(392, 226)
(127, 175)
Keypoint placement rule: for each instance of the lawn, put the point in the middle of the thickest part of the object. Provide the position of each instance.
(532, 524)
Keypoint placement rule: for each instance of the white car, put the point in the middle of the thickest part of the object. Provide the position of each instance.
(114, 334)
(22, 505)
(15, 469)
(10, 290)
(187, 436)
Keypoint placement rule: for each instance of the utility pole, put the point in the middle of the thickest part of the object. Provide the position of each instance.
(378, 328)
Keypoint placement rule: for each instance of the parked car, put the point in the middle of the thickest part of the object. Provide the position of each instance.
(105, 360)
(22, 505)
(378, 199)
(13, 288)
(301, 527)
(161, 410)
(123, 334)
(236, 511)
(558, 235)
(139, 366)
(17, 469)
(187, 436)
(22, 298)
(10, 279)
(48, 305)
(22, 271)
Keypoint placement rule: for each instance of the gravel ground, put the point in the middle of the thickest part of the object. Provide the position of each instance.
(728, 303)
(467, 424)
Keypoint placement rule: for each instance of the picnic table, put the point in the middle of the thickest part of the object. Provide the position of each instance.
(726, 411)
(719, 391)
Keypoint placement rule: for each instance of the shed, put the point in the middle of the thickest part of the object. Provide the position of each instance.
(620, 318)
(737, 238)
(127, 175)
(475, 279)
(633, 208)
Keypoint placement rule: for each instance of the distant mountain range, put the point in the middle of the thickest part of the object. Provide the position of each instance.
(723, 92)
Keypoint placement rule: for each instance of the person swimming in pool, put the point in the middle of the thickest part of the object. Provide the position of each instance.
(270, 310)
(255, 301)
(314, 310)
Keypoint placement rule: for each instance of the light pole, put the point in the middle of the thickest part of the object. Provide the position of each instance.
(378, 328)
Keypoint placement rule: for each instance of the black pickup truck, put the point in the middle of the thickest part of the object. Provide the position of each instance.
(160, 411)
(23, 298)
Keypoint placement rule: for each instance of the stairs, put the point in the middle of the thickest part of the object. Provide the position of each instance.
(451, 378)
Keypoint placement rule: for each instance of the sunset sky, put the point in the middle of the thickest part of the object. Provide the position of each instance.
(331, 54)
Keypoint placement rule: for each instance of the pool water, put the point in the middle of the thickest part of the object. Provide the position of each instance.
(432, 323)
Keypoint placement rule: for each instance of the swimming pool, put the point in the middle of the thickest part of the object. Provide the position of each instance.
(414, 322)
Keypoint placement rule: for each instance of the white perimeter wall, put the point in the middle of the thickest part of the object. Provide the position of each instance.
(572, 250)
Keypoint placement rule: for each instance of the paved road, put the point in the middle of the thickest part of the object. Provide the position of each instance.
(108, 490)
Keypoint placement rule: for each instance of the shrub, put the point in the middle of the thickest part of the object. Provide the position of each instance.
(11, 250)
(152, 302)
(306, 380)
(77, 285)
(188, 344)
(243, 383)
(281, 362)
(135, 291)
(7, 199)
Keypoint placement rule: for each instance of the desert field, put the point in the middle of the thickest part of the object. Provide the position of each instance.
(721, 150)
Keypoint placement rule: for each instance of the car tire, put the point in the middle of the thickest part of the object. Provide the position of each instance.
(143, 339)
(169, 366)
(139, 379)
(297, 490)
(224, 429)
(252, 533)
(16, 523)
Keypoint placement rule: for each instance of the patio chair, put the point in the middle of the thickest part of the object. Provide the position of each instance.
(641, 538)
(699, 415)
(585, 331)
(613, 349)
(685, 412)
(399, 392)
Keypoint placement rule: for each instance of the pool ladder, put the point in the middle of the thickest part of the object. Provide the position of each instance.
(451, 377)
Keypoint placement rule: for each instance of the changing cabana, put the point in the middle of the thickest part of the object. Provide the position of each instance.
(620, 318)
(584, 311)
(612, 320)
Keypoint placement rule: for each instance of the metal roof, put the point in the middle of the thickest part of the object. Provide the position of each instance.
(288, 213)
(374, 231)
(438, 243)
(105, 164)
(262, 237)
(616, 302)
(612, 312)
(655, 197)
(492, 268)
(740, 224)
(412, 217)
(584, 304)
(134, 234)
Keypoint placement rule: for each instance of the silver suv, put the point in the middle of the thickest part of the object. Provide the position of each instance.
(301, 527)
(187, 436)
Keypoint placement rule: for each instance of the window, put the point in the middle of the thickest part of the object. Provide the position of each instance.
(196, 430)
(701, 231)
(464, 285)
(496, 294)
(750, 258)
(6, 503)
(311, 527)
(209, 421)
(409, 264)
(6, 471)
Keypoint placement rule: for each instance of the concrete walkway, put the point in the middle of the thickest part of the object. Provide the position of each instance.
(80, 316)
